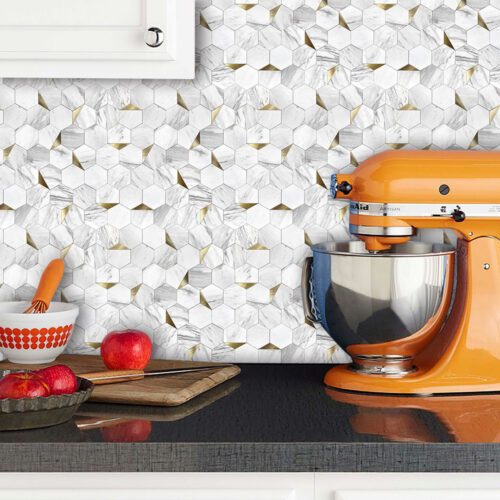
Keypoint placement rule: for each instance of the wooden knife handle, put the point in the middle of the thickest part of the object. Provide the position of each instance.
(112, 376)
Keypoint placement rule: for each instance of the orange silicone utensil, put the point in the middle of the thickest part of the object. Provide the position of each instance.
(49, 282)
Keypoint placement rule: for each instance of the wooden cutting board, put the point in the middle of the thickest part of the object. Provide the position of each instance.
(170, 390)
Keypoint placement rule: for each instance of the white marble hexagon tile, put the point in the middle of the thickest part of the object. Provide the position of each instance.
(186, 208)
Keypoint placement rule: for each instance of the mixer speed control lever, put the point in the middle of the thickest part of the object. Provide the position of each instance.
(458, 215)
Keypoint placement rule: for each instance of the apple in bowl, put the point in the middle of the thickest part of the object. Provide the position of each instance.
(23, 385)
(126, 350)
(60, 378)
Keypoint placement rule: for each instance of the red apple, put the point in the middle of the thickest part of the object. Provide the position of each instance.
(60, 379)
(126, 350)
(23, 385)
(133, 431)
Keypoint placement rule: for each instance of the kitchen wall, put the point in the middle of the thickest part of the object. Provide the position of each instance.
(186, 208)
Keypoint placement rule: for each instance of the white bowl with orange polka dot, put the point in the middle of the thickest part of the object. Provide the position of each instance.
(35, 338)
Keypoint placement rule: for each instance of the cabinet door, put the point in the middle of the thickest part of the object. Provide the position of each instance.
(96, 38)
(392, 486)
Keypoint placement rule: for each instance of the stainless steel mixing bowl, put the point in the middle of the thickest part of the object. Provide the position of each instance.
(364, 298)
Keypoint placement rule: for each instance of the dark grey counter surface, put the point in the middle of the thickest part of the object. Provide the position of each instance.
(271, 418)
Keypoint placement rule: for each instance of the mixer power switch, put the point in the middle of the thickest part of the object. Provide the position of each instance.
(458, 215)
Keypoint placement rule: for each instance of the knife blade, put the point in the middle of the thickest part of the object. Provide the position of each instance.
(115, 376)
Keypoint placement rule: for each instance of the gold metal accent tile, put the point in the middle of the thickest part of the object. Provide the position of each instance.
(342, 212)
(354, 161)
(64, 212)
(192, 351)
(281, 206)
(319, 101)
(184, 282)
(130, 107)
(6, 152)
(308, 41)
(269, 107)
(246, 6)
(343, 23)
(235, 345)
(459, 102)
(480, 22)
(3, 206)
(307, 240)
(273, 291)
(204, 211)
(285, 151)
(107, 286)
(426, 148)
(269, 67)
(203, 252)
(469, 73)
(134, 291)
(41, 181)
(331, 72)
(215, 112)
(258, 145)
(446, 239)
(57, 142)
(245, 285)
(354, 112)
(273, 12)
(397, 145)
(385, 6)
(307, 322)
(493, 113)
(335, 141)
(76, 161)
(204, 302)
(204, 23)
(447, 41)
(94, 345)
(119, 145)
(119, 246)
(169, 241)
(76, 112)
(146, 151)
(107, 206)
(461, 4)
(235, 66)
(374, 66)
(408, 107)
(475, 141)
(247, 206)
(408, 67)
(319, 181)
(215, 161)
(412, 12)
(29, 241)
(63, 298)
(142, 206)
(65, 251)
(180, 101)
(270, 347)
(258, 246)
(169, 320)
(41, 101)
(180, 180)
(322, 4)
(196, 142)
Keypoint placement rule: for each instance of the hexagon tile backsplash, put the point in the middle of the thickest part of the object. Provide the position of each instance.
(186, 208)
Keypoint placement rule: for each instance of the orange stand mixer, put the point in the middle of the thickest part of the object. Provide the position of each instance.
(454, 347)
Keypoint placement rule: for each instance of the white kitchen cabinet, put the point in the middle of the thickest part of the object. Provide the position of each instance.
(416, 486)
(97, 38)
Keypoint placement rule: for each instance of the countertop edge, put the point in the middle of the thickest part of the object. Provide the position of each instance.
(249, 457)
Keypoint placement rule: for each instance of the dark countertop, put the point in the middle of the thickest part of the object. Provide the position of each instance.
(270, 418)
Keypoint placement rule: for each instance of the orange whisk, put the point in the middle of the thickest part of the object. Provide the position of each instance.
(49, 282)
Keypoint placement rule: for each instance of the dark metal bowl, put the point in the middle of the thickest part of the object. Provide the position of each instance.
(34, 413)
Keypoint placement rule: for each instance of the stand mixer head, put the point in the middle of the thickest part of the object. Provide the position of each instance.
(392, 195)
